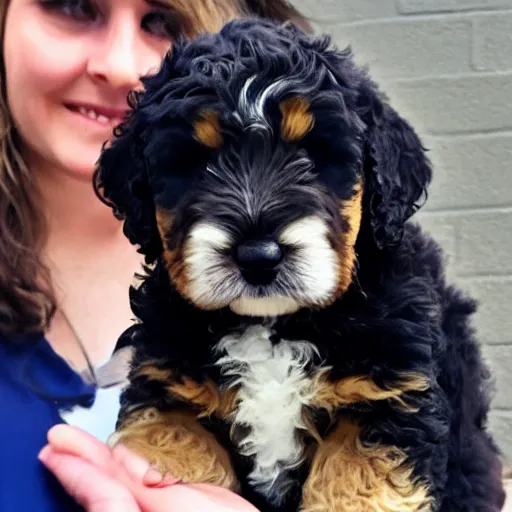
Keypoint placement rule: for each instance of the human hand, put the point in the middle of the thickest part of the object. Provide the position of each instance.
(117, 480)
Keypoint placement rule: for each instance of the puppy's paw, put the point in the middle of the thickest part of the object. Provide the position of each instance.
(176, 444)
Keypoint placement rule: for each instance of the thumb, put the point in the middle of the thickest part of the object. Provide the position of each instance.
(88, 485)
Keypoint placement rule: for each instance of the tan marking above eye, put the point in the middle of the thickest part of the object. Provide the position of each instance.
(207, 130)
(297, 119)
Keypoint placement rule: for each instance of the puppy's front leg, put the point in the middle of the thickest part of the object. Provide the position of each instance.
(159, 420)
(348, 476)
(176, 443)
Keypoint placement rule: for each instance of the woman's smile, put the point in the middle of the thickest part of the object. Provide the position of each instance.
(97, 115)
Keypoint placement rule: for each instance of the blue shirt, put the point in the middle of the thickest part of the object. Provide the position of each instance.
(36, 386)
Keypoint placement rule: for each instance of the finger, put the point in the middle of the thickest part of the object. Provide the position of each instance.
(136, 466)
(140, 469)
(88, 485)
(119, 462)
(225, 499)
(74, 441)
(189, 498)
(155, 479)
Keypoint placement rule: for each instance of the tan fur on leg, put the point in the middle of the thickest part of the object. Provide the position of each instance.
(206, 396)
(177, 444)
(331, 394)
(347, 476)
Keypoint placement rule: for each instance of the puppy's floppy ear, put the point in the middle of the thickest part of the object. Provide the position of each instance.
(397, 172)
(396, 168)
(122, 183)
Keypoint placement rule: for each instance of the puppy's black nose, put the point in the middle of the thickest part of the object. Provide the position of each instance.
(258, 259)
(258, 254)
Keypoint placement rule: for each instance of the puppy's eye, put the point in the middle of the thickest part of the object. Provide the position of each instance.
(162, 24)
(78, 10)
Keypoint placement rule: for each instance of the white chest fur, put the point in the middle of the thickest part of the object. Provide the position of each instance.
(273, 390)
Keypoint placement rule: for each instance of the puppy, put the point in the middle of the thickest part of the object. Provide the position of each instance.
(296, 339)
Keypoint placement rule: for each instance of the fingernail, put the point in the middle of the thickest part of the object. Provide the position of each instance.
(43, 454)
(153, 477)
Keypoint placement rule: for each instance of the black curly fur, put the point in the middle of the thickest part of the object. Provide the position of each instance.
(399, 314)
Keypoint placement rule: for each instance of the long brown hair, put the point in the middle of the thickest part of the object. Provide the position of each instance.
(27, 301)
(24, 306)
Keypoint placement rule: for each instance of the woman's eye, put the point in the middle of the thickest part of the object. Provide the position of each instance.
(161, 24)
(79, 10)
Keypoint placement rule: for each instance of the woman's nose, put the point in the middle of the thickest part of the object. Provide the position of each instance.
(117, 59)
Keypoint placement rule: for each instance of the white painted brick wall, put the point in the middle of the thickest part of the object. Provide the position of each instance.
(447, 67)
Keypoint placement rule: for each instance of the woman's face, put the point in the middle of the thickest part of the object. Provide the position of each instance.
(70, 65)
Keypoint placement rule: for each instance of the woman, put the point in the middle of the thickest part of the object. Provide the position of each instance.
(65, 265)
